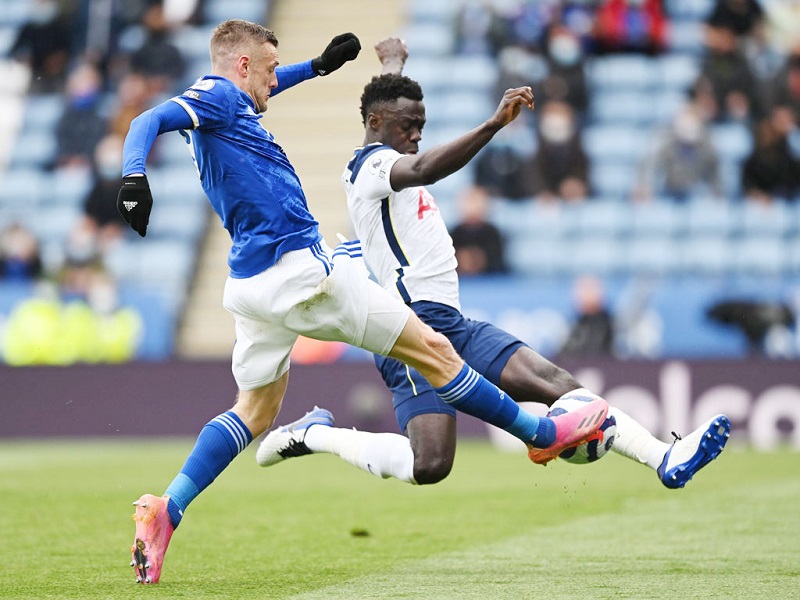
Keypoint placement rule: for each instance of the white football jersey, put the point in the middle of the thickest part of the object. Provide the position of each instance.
(403, 236)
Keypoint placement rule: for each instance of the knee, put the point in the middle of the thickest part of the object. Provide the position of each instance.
(431, 469)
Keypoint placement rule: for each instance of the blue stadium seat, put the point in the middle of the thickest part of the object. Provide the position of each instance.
(604, 217)
(733, 141)
(180, 222)
(595, 255)
(612, 178)
(760, 255)
(68, 188)
(42, 112)
(660, 218)
(622, 72)
(529, 255)
(709, 215)
(624, 143)
(625, 107)
(678, 71)
(707, 255)
(652, 255)
(428, 39)
(774, 219)
(22, 188)
(34, 149)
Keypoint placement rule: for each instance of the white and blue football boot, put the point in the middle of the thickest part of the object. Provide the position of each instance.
(289, 441)
(688, 455)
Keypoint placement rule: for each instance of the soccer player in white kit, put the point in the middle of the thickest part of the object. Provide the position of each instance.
(284, 280)
(408, 249)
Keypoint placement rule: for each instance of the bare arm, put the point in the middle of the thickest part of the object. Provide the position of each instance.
(443, 160)
(392, 52)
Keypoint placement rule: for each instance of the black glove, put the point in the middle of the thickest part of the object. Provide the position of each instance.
(134, 202)
(342, 48)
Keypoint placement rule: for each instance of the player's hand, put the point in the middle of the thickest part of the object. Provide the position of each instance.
(392, 52)
(134, 202)
(342, 48)
(511, 105)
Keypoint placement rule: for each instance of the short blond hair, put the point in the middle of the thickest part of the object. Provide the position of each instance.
(234, 37)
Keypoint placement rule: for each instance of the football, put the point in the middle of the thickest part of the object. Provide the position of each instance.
(587, 452)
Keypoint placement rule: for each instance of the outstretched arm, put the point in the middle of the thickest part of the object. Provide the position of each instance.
(342, 48)
(439, 162)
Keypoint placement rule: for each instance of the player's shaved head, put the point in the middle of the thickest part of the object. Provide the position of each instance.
(233, 38)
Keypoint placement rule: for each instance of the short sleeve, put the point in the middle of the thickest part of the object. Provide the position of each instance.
(210, 103)
(372, 178)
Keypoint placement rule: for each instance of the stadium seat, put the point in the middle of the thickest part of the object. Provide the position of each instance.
(624, 143)
(774, 219)
(42, 112)
(622, 72)
(660, 218)
(678, 71)
(34, 149)
(625, 107)
(604, 217)
(760, 255)
(22, 188)
(706, 255)
(710, 215)
(595, 255)
(733, 141)
(428, 39)
(652, 255)
(612, 178)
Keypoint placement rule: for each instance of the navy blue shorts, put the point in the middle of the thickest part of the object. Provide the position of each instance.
(483, 346)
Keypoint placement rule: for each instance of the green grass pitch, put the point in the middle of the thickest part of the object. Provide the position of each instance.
(315, 527)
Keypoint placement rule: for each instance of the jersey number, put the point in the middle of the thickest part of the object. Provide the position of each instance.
(426, 202)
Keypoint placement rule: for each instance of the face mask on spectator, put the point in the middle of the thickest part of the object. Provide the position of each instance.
(556, 128)
(565, 50)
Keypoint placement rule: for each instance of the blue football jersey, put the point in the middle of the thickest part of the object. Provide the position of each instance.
(247, 177)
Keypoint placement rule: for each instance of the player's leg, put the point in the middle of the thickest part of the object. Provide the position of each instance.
(221, 440)
(260, 365)
(531, 377)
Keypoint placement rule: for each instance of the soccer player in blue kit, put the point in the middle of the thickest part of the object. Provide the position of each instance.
(407, 247)
(284, 279)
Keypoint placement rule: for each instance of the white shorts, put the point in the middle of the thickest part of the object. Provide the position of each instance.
(315, 292)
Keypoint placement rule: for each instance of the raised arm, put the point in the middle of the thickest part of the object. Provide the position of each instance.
(342, 48)
(392, 52)
(443, 160)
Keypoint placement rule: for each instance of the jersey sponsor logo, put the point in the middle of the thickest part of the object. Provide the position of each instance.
(204, 85)
(426, 203)
(375, 164)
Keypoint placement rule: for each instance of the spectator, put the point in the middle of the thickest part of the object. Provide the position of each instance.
(560, 167)
(566, 78)
(592, 333)
(528, 25)
(478, 243)
(503, 167)
(133, 97)
(772, 171)
(743, 17)
(44, 43)
(786, 85)
(80, 127)
(478, 30)
(635, 26)
(158, 59)
(684, 164)
(100, 206)
(20, 259)
(726, 78)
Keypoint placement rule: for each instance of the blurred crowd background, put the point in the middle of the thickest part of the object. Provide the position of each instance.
(648, 208)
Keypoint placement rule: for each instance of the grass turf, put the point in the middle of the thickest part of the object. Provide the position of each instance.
(498, 527)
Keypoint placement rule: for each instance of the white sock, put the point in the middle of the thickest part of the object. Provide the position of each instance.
(382, 454)
(635, 442)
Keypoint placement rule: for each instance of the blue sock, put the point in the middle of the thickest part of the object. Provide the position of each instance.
(219, 442)
(475, 395)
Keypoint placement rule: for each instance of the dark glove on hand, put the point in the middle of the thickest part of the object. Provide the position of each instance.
(342, 48)
(134, 202)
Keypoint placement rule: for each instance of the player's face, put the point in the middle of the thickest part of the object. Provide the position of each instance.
(401, 126)
(261, 75)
